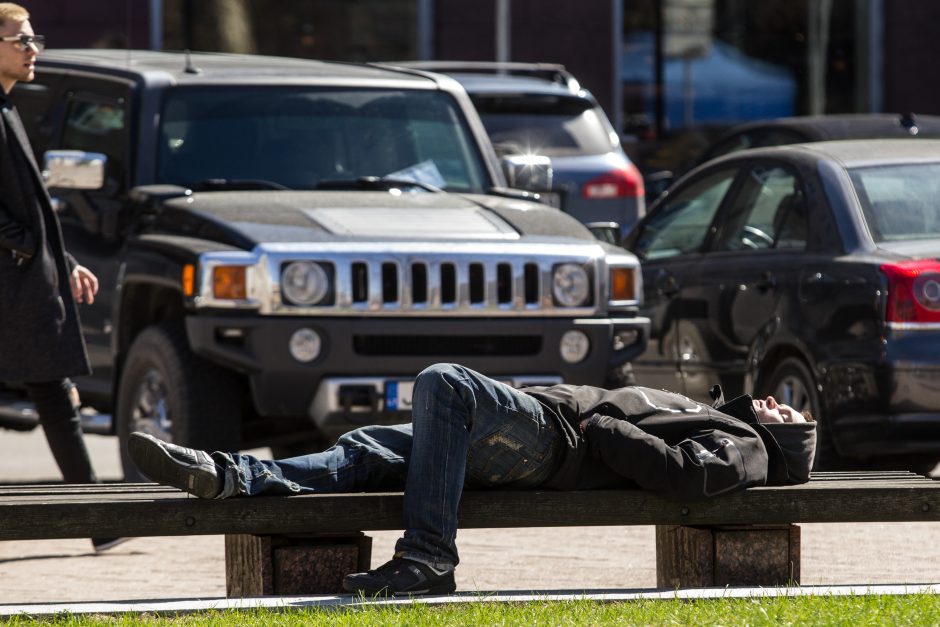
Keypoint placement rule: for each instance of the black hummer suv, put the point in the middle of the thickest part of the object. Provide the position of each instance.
(283, 244)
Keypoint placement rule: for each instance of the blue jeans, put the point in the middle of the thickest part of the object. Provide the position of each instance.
(466, 429)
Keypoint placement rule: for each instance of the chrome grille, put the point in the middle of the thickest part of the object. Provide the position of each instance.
(438, 284)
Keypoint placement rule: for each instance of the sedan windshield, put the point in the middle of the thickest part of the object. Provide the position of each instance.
(306, 137)
(900, 202)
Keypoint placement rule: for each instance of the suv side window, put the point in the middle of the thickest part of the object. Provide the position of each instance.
(97, 125)
(682, 226)
(768, 212)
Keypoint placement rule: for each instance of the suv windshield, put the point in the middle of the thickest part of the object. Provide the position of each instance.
(554, 126)
(900, 202)
(300, 137)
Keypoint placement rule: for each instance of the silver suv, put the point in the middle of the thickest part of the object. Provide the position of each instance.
(541, 109)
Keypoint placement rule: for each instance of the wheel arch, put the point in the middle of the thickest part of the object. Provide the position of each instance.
(142, 304)
(764, 362)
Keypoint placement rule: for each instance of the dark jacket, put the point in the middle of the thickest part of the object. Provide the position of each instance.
(40, 334)
(669, 444)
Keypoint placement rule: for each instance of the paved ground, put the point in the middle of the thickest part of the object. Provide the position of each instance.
(589, 558)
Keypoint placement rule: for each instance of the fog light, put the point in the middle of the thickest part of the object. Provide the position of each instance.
(305, 345)
(574, 346)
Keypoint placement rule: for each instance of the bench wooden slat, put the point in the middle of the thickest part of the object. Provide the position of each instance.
(74, 511)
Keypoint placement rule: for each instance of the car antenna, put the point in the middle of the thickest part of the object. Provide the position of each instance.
(190, 68)
(909, 122)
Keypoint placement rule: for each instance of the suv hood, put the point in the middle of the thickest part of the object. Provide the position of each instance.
(249, 218)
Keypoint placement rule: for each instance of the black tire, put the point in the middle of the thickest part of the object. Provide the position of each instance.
(171, 393)
(792, 383)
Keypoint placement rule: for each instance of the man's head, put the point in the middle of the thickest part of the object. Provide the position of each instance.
(17, 50)
(769, 410)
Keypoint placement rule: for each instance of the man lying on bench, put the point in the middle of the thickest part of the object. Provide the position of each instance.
(470, 430)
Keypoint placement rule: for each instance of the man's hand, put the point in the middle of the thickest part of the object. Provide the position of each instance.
(84, 285)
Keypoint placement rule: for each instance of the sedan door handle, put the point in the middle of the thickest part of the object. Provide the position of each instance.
(766, 282)
(667, 285)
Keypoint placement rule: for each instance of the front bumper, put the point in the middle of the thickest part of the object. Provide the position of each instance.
(393, 349)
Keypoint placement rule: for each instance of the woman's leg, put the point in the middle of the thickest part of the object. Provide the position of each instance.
(470, 428)
(369, 459)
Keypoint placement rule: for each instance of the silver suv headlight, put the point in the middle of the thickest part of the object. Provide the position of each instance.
(571, 285)
(304, 283)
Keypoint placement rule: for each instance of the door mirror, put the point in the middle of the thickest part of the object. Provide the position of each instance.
(74, 169)
(605, 231)
(529, 172)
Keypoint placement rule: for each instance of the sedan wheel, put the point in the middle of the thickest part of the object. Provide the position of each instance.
(792, 383)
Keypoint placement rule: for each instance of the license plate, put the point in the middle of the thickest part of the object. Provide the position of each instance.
(398, 395)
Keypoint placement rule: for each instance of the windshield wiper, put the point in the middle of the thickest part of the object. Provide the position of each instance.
(235, 185)
(375, 183)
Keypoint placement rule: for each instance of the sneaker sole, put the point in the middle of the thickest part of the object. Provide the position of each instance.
(153, 460)
(105, 546)
(441, 589)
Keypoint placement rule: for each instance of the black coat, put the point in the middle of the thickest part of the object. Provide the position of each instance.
(666, 443)
(40, 332)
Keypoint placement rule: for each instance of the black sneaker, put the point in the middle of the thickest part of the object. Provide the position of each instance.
(401, 576)
(103, 544)
(184, 468)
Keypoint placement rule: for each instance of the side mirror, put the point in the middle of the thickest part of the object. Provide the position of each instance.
(530, 172)
(657, 183)
(74, 169)
(608, 232)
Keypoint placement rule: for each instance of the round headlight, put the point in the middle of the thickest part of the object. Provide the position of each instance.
(305, 345)
(570, 285)
(574, 346)
(304, 283)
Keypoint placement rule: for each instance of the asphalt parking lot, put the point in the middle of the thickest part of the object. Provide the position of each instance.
(574, 558)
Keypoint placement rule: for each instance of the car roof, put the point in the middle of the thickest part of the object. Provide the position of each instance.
(491, 77)
(203, 67)
(848, 125)
(850, 153)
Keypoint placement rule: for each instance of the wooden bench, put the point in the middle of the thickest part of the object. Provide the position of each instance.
(305, 544)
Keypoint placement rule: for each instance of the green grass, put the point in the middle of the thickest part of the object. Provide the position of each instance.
(854, 611)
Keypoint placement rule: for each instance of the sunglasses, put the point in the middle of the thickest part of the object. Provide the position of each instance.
(25, 41)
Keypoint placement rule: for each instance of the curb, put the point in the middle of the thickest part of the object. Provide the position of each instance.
(340, 602)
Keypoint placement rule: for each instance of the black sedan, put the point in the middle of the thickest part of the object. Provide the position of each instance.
(802, 129)
(810, 272)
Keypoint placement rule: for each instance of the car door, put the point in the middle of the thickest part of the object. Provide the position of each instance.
(741, 285)
(669, 243)
(92, 115)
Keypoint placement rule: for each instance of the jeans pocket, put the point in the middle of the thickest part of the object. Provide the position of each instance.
(509, 455)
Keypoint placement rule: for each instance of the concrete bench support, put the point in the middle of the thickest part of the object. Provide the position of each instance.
(286, 565)
(727, 555)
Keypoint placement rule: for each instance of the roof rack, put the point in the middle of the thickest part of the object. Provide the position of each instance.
(554, 72)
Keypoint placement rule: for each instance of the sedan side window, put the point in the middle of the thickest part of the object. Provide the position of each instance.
(681, 226)
(769, 212)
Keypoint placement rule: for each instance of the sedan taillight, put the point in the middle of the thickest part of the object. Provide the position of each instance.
(913, 291)
(615, 184)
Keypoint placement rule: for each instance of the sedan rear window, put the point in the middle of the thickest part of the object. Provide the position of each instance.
(900, 202)
(554, 126)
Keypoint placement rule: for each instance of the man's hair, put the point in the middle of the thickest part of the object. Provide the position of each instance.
(12, 11)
